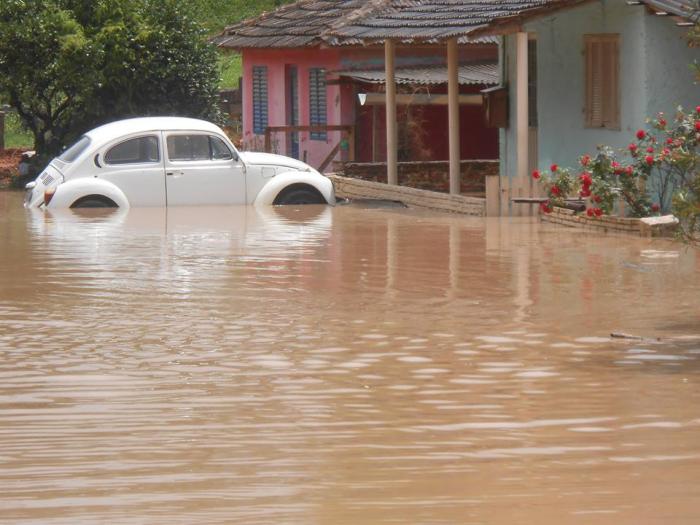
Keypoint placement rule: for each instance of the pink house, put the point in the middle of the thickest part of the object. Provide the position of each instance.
(299, 71)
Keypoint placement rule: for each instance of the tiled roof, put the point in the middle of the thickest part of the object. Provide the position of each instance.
(481, 74)
(358, 22)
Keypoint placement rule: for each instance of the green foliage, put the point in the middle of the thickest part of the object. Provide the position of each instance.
(69, 65)
(16, 135)
(230, 70)
(214, 15)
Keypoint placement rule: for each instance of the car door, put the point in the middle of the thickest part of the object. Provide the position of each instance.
(135, 166)
(200, 168)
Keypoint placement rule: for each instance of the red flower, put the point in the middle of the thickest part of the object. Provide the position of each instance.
(697, 125)
(545, 207)
(617, 169)
(586, 179)
(629, 170)
(598, 212)
(554, 190)
(697, 109)
(641, 134)
(597, 198)
(585, 192)
(649, 160)
(669, 140)
(535, 174)
(662, 122)
(650, 149)
(666, 152)
(553, 168)
(655, 207)
(590, 212)
(633, 149)
(585, 160)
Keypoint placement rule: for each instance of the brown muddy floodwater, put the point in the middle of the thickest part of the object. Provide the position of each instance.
(343, 366)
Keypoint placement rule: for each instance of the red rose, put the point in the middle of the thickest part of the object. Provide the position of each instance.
(697, 125)
(697, 109)
(629, 170)
(650, 149)
(554, 190)
(666, 152)
(585, 192)
(535, 174)
(586, 179)
(641, 134)
(662, 122)
(597, 198)
(590, 212)
(669, 141)
(649, 159)
(546, 207)
(553, 168)
(585, 160)
(655, 207)
(633, 149)
(598, 212)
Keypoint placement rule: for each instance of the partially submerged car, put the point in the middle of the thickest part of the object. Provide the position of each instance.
(171, 161)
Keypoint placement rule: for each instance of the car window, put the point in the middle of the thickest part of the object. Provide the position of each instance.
(134, 151)
(188, 147)
(197, 147)
(219, 149)
(75, 150)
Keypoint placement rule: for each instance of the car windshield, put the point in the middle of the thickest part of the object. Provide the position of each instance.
(75, 150)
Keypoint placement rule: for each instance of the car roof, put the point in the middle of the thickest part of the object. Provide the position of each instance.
(120, 128)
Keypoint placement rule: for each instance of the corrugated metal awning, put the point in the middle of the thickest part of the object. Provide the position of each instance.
(469, 74)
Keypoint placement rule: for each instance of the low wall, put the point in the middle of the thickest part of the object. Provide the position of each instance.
(351, 188)
(647, 227)
(428, 175)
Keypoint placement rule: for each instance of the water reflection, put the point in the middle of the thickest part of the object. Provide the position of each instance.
(342, 365)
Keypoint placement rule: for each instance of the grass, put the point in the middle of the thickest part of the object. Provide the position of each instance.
(15, 135)
(230, 66)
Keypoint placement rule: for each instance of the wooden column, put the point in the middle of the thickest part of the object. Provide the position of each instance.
(522, 117)
(392, 147)
(453, 115)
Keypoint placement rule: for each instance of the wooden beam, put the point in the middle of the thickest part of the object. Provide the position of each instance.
(392, 147)
(453, 114)
(423, 99)
(521, 109)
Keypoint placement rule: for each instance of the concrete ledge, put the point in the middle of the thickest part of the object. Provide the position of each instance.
(348, 188)
(646, 227)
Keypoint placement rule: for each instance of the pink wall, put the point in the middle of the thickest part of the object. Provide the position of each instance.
(342, 104)
(276, 60)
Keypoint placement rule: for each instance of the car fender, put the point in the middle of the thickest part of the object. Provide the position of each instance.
(72, 190)
(279, 182)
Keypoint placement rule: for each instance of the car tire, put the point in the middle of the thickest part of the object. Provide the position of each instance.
(300, 195)
(94, 201)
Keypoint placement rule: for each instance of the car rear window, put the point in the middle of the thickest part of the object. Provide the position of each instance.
(138, 150)
(75, 150)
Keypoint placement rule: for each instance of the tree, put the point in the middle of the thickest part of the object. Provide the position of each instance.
(67, 66)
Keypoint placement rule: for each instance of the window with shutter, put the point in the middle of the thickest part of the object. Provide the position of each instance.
(602, 53)
(317, 101)
(259, 99)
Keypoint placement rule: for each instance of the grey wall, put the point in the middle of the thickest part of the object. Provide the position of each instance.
(654, 76)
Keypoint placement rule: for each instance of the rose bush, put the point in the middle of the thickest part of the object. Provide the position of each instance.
(661, 162)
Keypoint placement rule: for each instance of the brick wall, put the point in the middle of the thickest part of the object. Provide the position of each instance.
(431, 175)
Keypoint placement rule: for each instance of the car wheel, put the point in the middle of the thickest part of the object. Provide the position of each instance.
(94, 201)
(300, 195)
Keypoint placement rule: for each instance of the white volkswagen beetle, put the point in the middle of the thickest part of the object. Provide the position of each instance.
(171, 161)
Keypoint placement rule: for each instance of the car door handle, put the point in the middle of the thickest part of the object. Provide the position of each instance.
(174, 173)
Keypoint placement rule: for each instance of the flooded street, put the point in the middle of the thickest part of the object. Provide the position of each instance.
(343, 366)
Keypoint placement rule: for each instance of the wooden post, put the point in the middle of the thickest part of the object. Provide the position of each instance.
(521, 112)
(351, 144)
(2, 131)
(453, 115)
(268, 140)
(392, 154)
